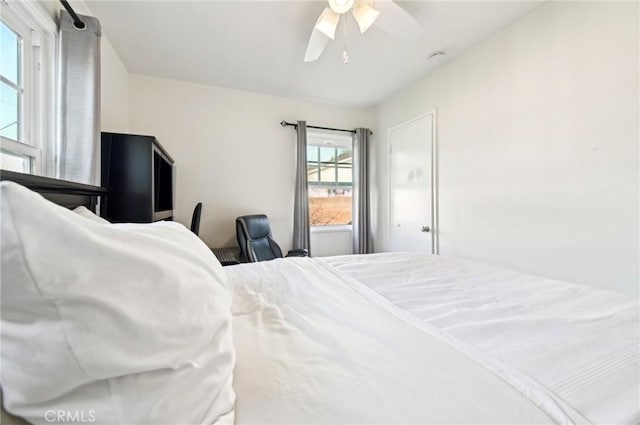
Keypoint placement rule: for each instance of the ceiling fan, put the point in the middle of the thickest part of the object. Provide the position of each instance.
(386, 15)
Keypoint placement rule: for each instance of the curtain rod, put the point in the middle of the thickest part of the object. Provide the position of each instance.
(289, 124)
(77, 22)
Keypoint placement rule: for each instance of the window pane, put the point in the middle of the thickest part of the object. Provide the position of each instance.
(329, 206)
(327, 154)
(328, 174)
(10, 58)
(312, 174)
(9, 112)
(11, 162)
(344, 156)
(312, 153)
(345, 175)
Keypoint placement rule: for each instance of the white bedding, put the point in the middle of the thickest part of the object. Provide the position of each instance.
(388, 338)
(579, 343)
(110, 324)
(313, 346)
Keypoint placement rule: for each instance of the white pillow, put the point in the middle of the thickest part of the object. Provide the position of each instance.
(87, 213)
(115, 324)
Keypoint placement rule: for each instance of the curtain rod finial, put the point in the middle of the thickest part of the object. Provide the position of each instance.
(283, 123)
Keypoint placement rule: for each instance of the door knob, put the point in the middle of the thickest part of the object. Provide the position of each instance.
(425, 229)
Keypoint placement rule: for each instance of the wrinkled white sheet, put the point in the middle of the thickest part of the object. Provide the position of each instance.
(314, 347)
(580, 343)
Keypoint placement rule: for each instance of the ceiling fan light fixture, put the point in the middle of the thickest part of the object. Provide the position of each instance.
(396, 21)
(327, 23)
(365, 16)
(341, 6)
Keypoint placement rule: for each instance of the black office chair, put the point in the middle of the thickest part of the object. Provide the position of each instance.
(255, 241)
(195, 218)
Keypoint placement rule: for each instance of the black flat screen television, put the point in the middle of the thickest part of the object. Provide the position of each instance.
(162, 183)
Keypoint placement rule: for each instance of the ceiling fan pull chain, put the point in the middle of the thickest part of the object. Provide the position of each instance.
(345, 54)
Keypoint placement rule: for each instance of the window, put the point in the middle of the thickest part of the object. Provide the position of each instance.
(330, 175)
(27, 39)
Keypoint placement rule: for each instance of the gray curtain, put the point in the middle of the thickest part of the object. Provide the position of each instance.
(361, 199)
(79, 100)
(301, 203)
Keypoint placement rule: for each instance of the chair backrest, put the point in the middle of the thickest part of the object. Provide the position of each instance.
(195, 219)
(254, 239)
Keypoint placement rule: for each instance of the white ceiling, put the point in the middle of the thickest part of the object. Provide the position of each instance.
(259, 46)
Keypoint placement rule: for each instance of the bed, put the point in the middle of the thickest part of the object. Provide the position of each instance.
(384, 338)
(579, 343)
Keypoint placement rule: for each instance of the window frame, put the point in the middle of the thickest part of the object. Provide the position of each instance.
(335, 164)
(37, 76)
(316, 138)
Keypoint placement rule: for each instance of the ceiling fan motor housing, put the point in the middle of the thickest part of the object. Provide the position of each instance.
(341, 6)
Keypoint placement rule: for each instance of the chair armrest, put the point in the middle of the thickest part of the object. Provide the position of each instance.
(298, 253)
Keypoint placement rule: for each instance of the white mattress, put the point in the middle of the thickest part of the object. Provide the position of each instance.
(314, 346)
(579, 343)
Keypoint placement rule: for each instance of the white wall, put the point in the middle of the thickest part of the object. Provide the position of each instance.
(231, 152)
(327, 242)
(538, 145)
(114, 91)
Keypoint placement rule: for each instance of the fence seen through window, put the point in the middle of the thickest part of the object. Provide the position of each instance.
(330, 185)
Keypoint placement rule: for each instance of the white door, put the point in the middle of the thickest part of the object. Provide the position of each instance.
(412, 209)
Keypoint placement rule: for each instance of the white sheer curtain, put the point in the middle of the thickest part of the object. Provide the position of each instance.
(79, 100)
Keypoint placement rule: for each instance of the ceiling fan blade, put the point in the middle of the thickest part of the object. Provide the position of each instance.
(365, 15)
(317, 42)
(328, 22)
(396, 21)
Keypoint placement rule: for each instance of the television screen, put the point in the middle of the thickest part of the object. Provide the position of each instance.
(163, 190)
